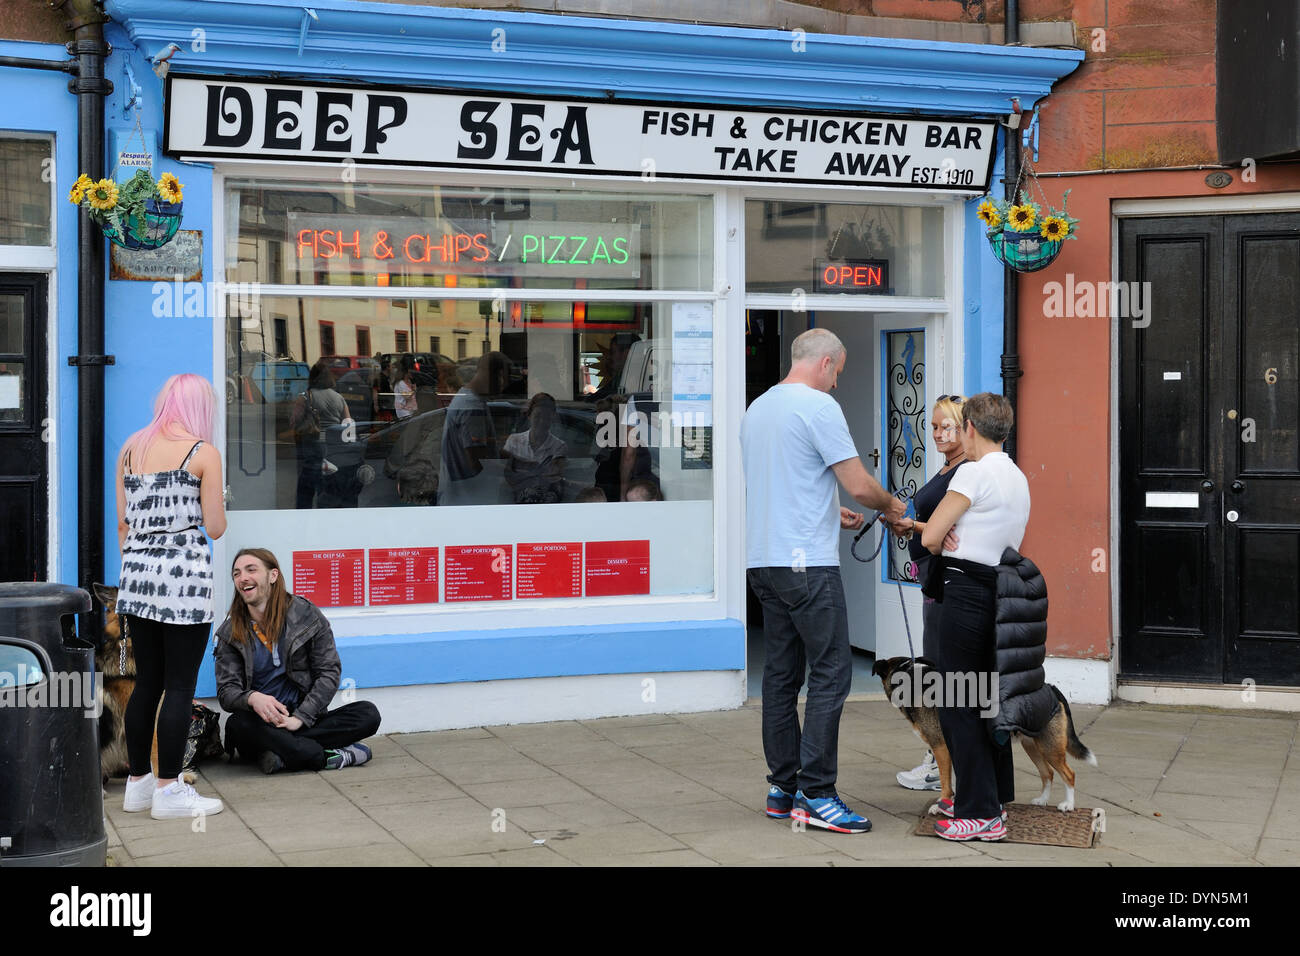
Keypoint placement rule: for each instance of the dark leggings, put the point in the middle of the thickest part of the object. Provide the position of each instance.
(167, 658)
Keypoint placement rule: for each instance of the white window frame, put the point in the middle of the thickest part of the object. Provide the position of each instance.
(724, 602)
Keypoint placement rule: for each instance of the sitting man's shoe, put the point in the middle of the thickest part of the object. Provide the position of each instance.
(270, 762)
(139, 795)
(179, 800)
(354, 755)
(962, 829)
(829, 813)
(779, 803)
(924, 776)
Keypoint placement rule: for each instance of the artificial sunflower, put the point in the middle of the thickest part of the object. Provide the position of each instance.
(78, 192)
(1021, 217)
(103, 195)
(169, 188)
(989, 213)
(1054, 228)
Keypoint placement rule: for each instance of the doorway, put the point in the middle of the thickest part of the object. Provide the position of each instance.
(1209, 498)
(885, 393)
(24, 465)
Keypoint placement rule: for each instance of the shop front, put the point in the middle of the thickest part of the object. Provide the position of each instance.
(485, 345)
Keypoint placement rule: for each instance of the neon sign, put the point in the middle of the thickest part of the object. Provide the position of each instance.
(861, 276)
(512, 248)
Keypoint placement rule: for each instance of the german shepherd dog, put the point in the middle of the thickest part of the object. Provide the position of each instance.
(1047, 750)
(119, 683)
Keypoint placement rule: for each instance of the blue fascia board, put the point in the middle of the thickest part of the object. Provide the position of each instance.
(441, 47)
(397, 660)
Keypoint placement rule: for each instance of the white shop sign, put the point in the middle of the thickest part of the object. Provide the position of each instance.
(224, 117)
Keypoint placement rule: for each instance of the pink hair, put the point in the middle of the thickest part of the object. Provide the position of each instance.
(186, 404)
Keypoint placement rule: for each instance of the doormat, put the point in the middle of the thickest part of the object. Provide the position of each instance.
(1042, 826)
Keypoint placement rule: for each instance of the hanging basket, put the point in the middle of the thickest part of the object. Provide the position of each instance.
(1024, 251)
(152, 230)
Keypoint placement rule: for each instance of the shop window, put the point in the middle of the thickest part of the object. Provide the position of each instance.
(600, 411)
(843, 248)
(481, 238)
(25, 191)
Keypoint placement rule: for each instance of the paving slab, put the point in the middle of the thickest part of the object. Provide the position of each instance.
(668, 790)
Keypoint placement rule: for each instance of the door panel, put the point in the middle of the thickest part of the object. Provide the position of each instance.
(1209, 412)
(24, 495)
(1171, 450)
(1261, 488)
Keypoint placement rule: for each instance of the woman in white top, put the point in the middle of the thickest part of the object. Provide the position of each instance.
(986, 508)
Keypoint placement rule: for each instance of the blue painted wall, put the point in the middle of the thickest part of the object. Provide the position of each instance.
(38, 101)
(982, 362)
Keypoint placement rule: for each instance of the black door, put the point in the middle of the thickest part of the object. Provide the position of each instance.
(1209, 451)
(24, 492)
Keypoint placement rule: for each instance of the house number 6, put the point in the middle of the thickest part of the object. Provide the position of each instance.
(1270, 376)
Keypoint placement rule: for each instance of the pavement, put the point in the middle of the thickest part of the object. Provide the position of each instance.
(1180, 786)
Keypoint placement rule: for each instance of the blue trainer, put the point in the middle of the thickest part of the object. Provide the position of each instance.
(829, 813)
(779, 803)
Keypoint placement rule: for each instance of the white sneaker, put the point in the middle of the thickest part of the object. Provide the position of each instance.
(139, 794)
(180, 800)
(925, 776)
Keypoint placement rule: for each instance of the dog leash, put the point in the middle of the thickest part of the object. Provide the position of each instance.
(853, 550)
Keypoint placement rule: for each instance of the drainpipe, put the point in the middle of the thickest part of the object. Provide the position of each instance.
(1011, 370)
(86, 21)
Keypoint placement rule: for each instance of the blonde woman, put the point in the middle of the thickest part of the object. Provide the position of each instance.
(945, 429)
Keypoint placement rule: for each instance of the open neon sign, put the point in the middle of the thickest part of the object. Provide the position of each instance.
(862, 276)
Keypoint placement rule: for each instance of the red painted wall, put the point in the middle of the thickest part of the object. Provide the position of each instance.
(1147, 100)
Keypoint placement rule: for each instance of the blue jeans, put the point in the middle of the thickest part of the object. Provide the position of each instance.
(805, 627)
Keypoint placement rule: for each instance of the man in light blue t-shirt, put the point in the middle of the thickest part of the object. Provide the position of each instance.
(796, 447)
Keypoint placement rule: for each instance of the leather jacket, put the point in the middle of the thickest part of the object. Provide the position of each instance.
(307, 648)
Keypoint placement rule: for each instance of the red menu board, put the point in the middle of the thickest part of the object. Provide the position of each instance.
(477, 572)
(403, 575)
(548, 570)
(331, 578)
(618, 567)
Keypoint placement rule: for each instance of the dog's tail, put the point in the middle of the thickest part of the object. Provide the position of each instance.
(1073, 745)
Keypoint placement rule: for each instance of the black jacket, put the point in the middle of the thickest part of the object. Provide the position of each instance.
(311, 662)
(1025, 702)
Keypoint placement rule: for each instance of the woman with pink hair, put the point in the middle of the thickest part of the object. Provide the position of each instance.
(165, 592)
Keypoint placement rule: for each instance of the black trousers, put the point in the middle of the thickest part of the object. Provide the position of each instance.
(984, 771)
(167, 658)
(304, 748)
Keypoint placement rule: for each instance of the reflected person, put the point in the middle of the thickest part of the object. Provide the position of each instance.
(535, 458)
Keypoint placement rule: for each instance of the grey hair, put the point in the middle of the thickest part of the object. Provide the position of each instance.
(815, 345)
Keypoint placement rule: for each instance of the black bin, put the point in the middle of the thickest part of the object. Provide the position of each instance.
(51, 795)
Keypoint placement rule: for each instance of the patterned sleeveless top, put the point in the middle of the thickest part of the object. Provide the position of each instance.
(166, 562)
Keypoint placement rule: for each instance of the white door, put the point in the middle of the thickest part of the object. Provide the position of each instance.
(887, 390)
(858, 394)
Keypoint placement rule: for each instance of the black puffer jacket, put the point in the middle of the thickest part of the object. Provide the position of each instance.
(1025, 702)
